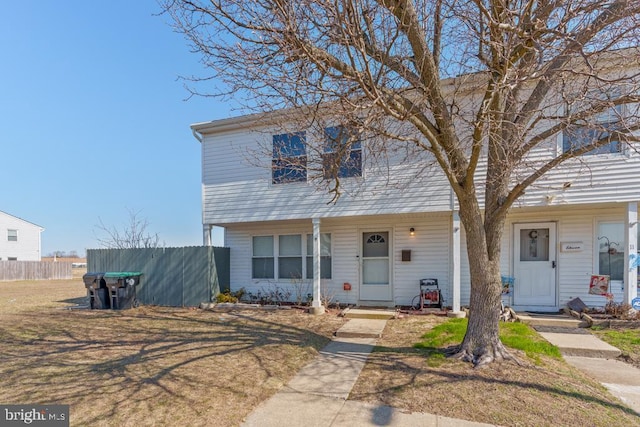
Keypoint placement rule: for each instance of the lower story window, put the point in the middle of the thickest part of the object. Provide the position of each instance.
(325, 256)
(262, 261)
(610, 244)
(289, 257)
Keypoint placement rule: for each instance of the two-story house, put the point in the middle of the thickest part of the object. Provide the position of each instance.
(398, 223)
(19, 239)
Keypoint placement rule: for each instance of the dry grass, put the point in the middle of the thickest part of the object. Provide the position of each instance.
(147, 366)
(550, 393)
(170, 366)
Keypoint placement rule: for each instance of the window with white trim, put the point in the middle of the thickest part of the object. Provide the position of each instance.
(593, 128)
(290, 256)
(12, 235)
(610, 245)
(342, 154)
(325, 256)
(263, 258)
(289, 162)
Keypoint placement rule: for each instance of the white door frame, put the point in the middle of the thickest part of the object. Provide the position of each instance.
(383, 292)
(546, 271)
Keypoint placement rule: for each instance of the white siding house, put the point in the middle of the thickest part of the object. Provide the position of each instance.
(579, 220)
(19, 239)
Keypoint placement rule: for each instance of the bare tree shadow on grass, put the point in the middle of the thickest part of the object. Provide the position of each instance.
(155, 365)
(446, 386)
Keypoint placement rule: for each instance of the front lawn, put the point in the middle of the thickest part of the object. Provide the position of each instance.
(150, 366)
(408, 369)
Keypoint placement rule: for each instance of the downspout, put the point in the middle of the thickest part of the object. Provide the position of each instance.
(206, 228)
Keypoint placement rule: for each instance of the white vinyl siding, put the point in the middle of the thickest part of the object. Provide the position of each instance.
(237, 184)
(20, 239)
(430, 252)
(429, 245)
(574, 269)
(239, 193)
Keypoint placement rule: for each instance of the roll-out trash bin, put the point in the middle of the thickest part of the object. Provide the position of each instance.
(96, 290)
(121, 287)
(115, 290)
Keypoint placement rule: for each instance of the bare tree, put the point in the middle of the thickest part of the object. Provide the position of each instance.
(133, 235)
(479, 89)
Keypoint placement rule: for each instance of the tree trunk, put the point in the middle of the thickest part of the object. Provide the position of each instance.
(481, 344)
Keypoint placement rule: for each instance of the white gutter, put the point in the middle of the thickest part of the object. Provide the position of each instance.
(196, 135)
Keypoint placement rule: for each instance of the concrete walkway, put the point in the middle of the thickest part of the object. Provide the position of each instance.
(598, 360)
(589, 354)
(317, 395)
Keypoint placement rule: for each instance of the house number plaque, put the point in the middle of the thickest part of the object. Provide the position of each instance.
(571, 246)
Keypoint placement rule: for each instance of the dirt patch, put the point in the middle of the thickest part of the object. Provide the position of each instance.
(150, 365)
(545, 393)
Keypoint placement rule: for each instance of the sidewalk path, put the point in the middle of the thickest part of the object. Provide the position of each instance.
(317, 395)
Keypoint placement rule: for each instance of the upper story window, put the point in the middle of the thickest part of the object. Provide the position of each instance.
(289, 163)
(342, 157)
(12, 235)
(592, 129)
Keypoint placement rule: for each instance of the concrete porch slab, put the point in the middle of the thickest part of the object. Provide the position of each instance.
(362, 328)
(558, 321)
(369, 313)
(584, 345)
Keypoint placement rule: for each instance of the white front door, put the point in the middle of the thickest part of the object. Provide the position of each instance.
(375, 284)
(535, 266)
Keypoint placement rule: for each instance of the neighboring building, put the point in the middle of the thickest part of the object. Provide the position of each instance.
(391, 229)
(19, 239)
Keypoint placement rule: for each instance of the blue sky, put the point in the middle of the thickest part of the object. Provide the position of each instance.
(94, 121)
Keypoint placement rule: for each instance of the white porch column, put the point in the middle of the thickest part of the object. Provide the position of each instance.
(316, 304)
(206, 234)
(631, 249)
(455, 266)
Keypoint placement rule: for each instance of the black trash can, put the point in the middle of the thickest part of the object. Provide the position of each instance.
(121, 289)
(96, 290)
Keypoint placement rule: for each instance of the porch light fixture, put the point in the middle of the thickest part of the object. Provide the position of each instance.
(412, 231)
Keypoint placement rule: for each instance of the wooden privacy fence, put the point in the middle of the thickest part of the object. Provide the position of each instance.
(170, 276)
(34, 270)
